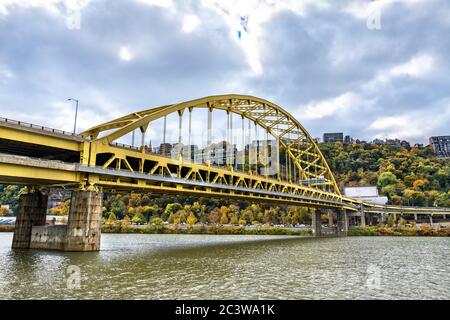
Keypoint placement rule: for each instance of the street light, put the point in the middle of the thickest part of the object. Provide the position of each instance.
(76, 114)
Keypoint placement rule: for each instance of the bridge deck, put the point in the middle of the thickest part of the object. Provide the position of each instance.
(37, 155)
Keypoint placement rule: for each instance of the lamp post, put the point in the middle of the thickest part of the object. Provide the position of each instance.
(76, 113)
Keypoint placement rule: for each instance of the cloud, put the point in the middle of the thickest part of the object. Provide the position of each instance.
(257, 13)
(159, 3)
(5, 73)
(317, 59)
(418, 66)
(125, 54)
(415, 124)
(190, 23)
(330, 107)
(363, 9)
(51, 6)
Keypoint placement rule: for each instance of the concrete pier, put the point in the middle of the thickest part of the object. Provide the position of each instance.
(330, 219)
(370, 219)
(83, 229)
(82, 233)
(342, 223)
(363, 216)
(32, 212)
(316, 223)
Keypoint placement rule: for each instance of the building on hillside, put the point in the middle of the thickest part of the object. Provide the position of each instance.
(392, 142)
(405, 144)
(441, 146)
(333, 137)
(348, 140)
(368, 194)
(378, 141)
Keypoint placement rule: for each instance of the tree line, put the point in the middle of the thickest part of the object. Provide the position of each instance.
(407, 176)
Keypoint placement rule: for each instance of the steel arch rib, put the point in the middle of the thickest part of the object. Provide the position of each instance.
(247, 106)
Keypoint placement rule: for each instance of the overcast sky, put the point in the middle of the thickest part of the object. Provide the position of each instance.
(366, 68)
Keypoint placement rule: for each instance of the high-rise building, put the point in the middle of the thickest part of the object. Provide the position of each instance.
(333, 137)
(165, 149)
(441, 146)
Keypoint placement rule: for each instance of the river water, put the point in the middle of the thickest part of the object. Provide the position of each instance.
(132, 266)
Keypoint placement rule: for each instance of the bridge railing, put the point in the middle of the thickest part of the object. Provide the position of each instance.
(124, 146)
(35, 126)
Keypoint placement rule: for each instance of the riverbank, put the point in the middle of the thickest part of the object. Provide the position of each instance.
(423, 230)
(404, 231)
(203, 229)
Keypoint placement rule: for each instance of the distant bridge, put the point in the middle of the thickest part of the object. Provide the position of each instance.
(269, 157)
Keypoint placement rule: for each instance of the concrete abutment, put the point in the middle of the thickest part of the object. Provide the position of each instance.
(32, 212)
(82, 232)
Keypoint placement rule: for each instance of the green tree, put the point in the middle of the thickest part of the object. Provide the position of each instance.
(119, 209)
(387, 178)
(192, 219)
(138, 218)
(112, 218)
(125, 222)
(171, 208)
(390, 220)
(234, 219)
(224, 218)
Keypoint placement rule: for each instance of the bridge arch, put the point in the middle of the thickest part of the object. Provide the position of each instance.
(292, 137)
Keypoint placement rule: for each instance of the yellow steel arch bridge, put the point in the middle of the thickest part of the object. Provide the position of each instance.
(288, 170)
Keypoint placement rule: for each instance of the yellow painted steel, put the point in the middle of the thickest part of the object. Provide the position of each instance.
(28, 175)
(301, 149)
(107, 165)
(38, 137)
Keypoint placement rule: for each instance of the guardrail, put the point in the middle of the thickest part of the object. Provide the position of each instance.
(35, 126)
(124, 146)
(442, 210)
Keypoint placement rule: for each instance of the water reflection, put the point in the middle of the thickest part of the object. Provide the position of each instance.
(233, 267)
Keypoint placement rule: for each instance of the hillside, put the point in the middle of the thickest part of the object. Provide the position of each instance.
(407, 176)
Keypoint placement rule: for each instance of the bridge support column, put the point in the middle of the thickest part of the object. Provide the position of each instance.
(316, 224)
(82, 232)
(370, 219)
(415, 217)
(363, 216)
(32, 212)
(363, 219)
(342, 223)
(330, 219)
(83, 228)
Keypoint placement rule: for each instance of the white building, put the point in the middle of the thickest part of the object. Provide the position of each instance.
(368, 194)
